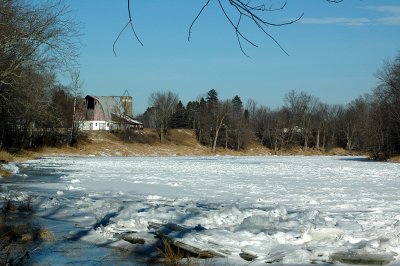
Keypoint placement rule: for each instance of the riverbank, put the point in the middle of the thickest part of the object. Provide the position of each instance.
(179, 142)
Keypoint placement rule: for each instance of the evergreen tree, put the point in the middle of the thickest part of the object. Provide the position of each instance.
(192, 110)
(180, 118)
(212, 97)
(237, 104)
(203, 123)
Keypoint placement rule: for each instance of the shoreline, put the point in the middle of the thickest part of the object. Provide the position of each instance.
(180, 142)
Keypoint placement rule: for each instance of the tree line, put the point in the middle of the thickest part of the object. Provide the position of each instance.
(37, 41)
(370, 123)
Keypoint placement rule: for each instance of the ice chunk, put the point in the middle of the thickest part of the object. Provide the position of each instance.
(256, 224)
(69, 187)
(354, 257)
(321, 234)
(11, 167)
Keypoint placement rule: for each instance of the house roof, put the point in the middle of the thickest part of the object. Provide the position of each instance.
(130, 120)
(109, 105)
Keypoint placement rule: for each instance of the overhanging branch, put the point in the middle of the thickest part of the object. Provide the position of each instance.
(129, 23)
(249, 11)
(252, 13)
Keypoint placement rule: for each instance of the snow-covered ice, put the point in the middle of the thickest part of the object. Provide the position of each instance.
(11, 167)
(286, 210)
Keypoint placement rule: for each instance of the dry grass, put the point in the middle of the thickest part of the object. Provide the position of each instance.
(6, 156)
(8, 206)
(16, 239)
(178, 142)
(46, 235)
(315, 152)
(300, 151)
(5, 173)
(171, 255)
(174, 256)
(395, 158)
(18, 234)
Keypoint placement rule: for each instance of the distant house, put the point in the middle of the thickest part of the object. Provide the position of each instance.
(110, 113)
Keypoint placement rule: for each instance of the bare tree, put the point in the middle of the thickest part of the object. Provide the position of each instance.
(382, 134)
(389, 87)
(215, 114)
(321, 121)
(220, 112)
(376, 134)
(310, 119)
(149, 118)
(251, 107)
(36, 39)
(280, 139)
(301, 107)
(353, 122)
(40, 36)
(164, 104)
(203, 122)
(262, 124)
(75, 88)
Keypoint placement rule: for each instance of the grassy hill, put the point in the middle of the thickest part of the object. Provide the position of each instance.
(179, 142)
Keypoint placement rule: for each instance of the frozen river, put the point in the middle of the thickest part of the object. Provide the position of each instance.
(279, 210)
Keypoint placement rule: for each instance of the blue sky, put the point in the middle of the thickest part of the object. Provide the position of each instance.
(334, 50)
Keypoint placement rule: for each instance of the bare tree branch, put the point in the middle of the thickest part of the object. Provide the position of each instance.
(239, 34)
(195, 19)
(129, 23)
(250, 11)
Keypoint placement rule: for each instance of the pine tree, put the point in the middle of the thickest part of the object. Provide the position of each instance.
(212, 97)
(180, 118)
(237, 104)
(192, 110)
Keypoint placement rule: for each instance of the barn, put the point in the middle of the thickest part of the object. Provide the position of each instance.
(110, 113)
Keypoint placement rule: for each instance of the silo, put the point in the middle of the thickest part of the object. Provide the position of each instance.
(126, 102)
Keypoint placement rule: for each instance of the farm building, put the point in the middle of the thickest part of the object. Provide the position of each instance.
(110, 113)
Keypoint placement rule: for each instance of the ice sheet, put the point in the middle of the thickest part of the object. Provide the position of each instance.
(290, 210)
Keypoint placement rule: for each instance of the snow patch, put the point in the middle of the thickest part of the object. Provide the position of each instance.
(70, 187)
